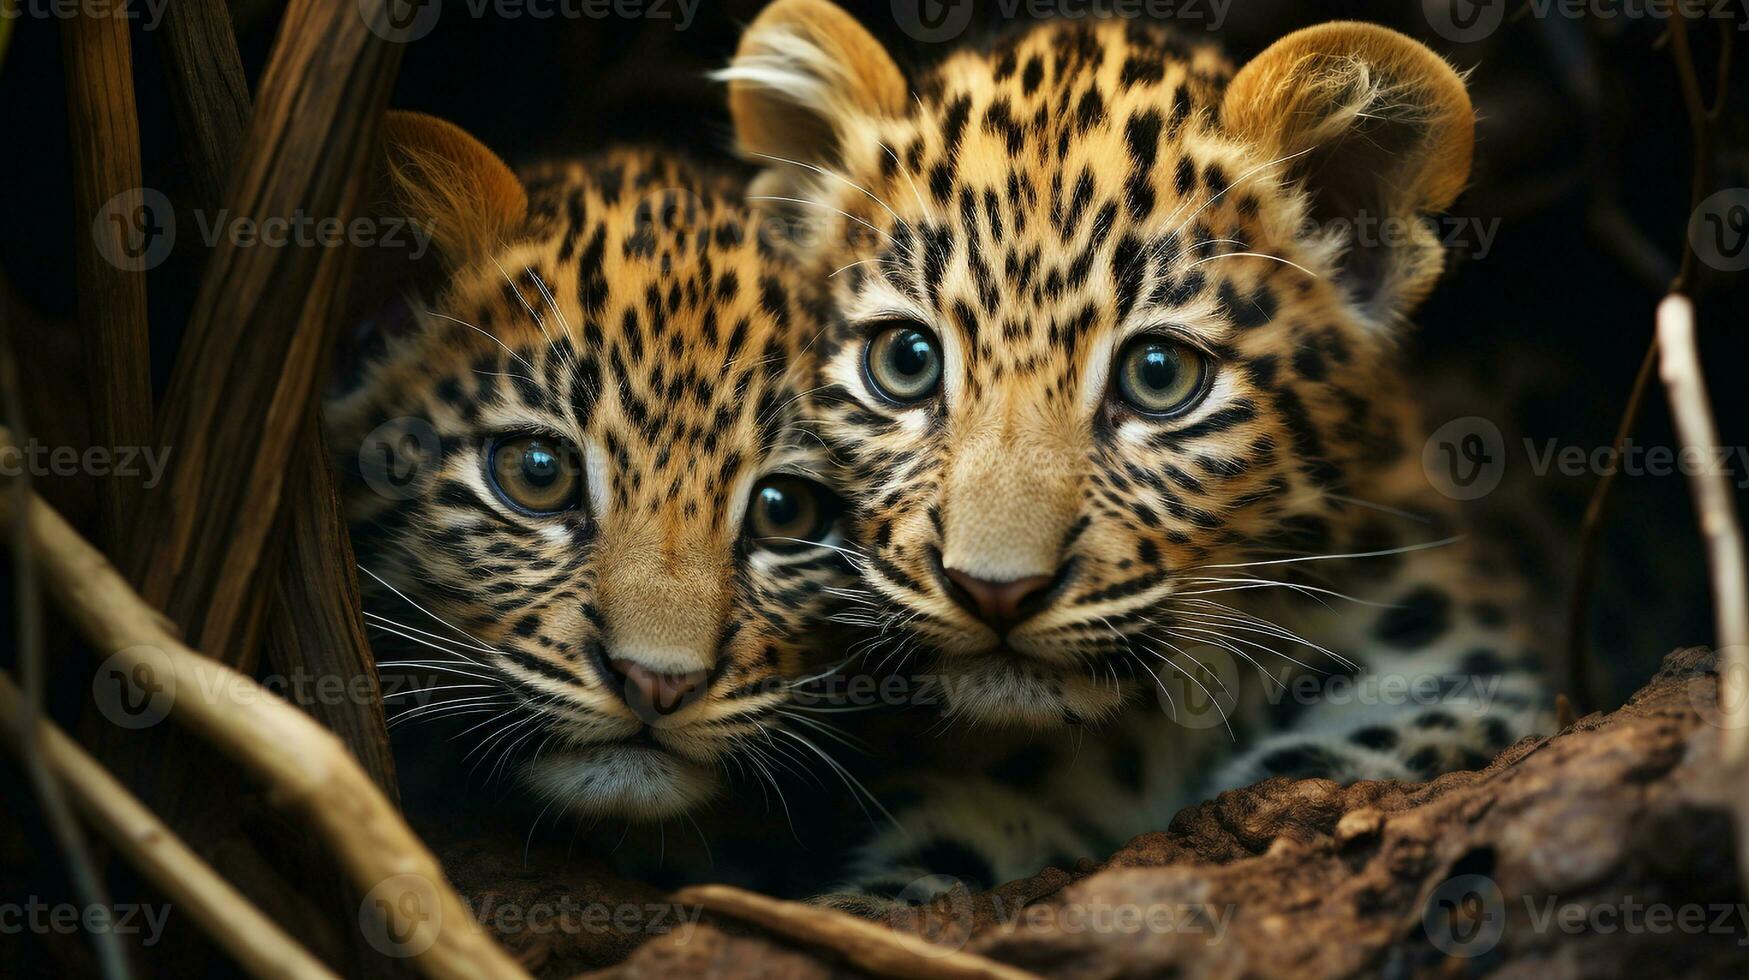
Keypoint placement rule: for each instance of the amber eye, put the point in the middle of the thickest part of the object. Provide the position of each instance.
(904, 362)
(787, 509)
(536, 473)
(1162, 377)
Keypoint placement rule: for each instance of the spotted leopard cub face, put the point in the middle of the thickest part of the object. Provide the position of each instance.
(614, 528)
(1108, 316)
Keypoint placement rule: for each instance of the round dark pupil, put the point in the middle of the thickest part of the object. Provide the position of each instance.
(780, 508)
(1159, 368)
(912, 354)
(540, 467)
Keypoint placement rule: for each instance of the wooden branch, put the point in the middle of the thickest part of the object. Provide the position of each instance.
(246, 376)
(112, 227)
(874, 948)
(1716, 506)
(254, 939)
(27, 610)
(305, 766)
(315, 629)
(208, 89)
(1704, 121)
(313, 626)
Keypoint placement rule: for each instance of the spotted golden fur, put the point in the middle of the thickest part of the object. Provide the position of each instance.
(623, 306)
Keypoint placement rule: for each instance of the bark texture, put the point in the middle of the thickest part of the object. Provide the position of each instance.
(1605, 850)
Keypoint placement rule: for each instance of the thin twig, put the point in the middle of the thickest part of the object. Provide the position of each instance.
(875, 948)
(1716, 507)
(111, 206)
(230, 919)
(1704, 123)
(27, 599)
(307, 768)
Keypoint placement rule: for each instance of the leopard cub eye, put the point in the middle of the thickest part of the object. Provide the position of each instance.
(1162, 377)
(787, 509)
(537, 474)
(903, 362)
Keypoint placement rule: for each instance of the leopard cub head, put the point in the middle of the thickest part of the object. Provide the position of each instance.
(1108, 318)
(580, 487)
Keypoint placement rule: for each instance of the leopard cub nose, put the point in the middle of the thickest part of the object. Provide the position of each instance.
(1001, 605)
(647, 690)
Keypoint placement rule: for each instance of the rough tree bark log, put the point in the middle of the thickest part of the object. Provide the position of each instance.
(246, 375)
(208, 89)
(113, 224)
(1475, 872)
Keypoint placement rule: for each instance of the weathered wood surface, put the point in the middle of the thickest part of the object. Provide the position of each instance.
(1550, 861)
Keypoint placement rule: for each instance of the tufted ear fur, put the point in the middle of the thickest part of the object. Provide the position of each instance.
(1380, 130)
(446, 182)
(804, 72)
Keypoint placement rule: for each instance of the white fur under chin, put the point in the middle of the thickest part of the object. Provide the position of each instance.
(999, 689)
(623, 781)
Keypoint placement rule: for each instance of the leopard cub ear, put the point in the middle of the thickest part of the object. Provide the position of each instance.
(448, 183)
(1378, 130)
(805, 76)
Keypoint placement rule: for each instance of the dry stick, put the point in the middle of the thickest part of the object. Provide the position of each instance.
(113, 229)
(206, 541)
(1703, 123)
(208, 89)
(1716, 508)
(254, 939)
(88, 884)
(875, 948)
(313, 628)
(305, 767)
(246, 376)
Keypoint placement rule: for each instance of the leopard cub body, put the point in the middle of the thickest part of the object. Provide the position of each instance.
(1113, 371)
(613, 540)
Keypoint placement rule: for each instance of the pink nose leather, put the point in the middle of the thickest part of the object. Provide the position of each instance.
(1002, 604)
(663, 692)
